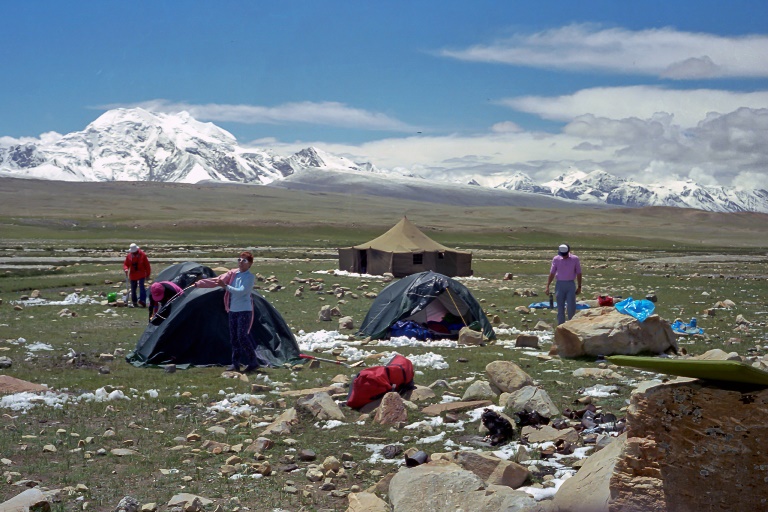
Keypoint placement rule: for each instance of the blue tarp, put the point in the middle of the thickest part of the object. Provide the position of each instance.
(640, 309)
(545, 305)
(683, 328)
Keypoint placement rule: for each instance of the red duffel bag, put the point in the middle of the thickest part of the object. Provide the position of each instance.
(374, 382)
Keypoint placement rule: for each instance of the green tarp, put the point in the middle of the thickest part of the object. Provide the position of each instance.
(411, 297)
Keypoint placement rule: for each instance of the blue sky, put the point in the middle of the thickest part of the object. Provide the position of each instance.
(649, 90)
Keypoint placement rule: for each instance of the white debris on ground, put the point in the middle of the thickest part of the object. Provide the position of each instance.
(435, 422)
(347, 274)
(24, 401)
(428, 360)
(70, 300)
(432, 439)
(329, 424)
(380, 277)
(38, 345)
(513, 333)
(600, 391)
(236, 404)
(327, 341)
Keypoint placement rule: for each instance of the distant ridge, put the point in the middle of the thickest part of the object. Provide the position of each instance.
(138, 145)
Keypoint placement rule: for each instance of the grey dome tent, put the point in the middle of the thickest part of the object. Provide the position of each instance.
(194, 331)
(433, 300)
(184, 274)
(404, 250)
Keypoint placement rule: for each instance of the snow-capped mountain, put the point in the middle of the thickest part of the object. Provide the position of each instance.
(137, 145)
(602, 187)
(523, 183)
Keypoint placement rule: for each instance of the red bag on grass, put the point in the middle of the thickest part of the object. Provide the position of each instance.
(374, 382)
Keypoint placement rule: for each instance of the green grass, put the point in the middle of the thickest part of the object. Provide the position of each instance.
(303, 243)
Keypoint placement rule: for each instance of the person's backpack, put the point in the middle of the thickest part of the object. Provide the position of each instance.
(374, 382)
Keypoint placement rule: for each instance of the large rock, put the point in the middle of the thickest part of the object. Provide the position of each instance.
(506, 376)
(319, 406)
(442, 486)
(493, 470)
(479, 390)
(392, 410)
(282, 424)
(589, 489)
(30, 499)
(690, 446)
(605, 331)
(530, 399)
(468, 336)
(366, 502)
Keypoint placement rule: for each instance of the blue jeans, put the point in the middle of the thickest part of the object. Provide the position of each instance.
(142, 291)
(565, 294)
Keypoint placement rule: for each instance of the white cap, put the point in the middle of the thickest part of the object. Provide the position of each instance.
(563, 248)
(133, 248)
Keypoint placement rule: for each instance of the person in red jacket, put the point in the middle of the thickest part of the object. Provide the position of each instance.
(136, 267)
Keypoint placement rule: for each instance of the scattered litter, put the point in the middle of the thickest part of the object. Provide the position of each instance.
(690, 328)
(25, 401)
(69, 300)
(329, 424)
(236, 404)
(428, 360)
(431, 439)
(38, 345)
(347, 274)
(600, 391)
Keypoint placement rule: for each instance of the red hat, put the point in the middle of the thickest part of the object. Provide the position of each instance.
(157, 290)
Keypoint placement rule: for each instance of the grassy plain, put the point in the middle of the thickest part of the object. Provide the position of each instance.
(58, 237)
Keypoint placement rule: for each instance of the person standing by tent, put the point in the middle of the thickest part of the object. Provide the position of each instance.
(160, 293)
(566, 268)
(137, 268)
(238, 285)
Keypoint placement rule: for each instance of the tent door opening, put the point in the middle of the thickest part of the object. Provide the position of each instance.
(362, 261)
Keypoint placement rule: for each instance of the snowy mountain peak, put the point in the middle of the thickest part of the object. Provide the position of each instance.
(521, 182)
(569, 178)
(180, 126)
(312, 157)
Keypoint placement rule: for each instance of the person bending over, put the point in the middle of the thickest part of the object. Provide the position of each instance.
(160, 293)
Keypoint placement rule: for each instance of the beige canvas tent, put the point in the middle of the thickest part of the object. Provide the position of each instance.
(404, 250)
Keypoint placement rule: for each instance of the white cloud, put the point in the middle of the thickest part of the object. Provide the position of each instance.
(750, 180)
(327, 113)
(663, 52)
(688, 107)
(506, 127)
(724, 149)
(45, 138)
